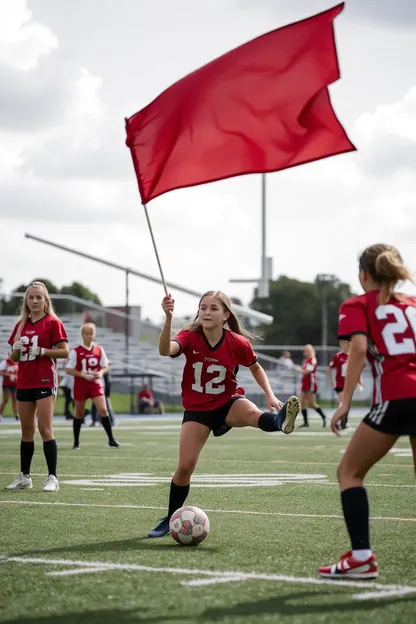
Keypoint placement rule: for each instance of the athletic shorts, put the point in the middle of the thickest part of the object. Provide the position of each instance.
(87, 391)
(396, 417)
(309, 388)
(213, 419)
(9, 390)
(31, 395)
(338, 389)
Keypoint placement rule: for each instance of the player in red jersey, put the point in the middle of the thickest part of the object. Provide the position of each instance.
(309, 386)
(38, 340)
(87, 364)
(215, 344)
(380, 325)
(8, 370)
(338, 364)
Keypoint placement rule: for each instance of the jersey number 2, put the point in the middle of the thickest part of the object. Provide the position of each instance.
(394, 330)
(213, 386)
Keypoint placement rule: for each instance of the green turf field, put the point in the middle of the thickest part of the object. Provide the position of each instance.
(81, 556)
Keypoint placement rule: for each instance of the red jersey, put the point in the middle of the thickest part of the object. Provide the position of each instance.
(10, 367)
(309, 383)
(145, 394)
(86, 360)
(37, 371)
(339, 364)
(209, 377)
(391, 332)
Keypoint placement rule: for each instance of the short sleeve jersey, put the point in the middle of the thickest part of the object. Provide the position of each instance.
(37, 371)
(209, 377)
(339, 365)
(391, 333)
(89, 361)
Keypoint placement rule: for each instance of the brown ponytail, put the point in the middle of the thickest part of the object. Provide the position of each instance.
(385, 266)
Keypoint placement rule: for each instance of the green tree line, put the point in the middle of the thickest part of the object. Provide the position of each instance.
(10, 305)
(297, 310)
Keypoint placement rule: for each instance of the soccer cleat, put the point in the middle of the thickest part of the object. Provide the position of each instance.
(20, 483)
(76, 447)
(349, 567)
(114, 443)
(51, 484)
(161, 529)
(287, 415)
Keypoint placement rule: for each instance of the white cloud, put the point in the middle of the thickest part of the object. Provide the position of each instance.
(23, 41)
(388, 138)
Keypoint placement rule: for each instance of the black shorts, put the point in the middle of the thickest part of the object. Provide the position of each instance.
(338, 389)
(213, 419)
(393, 417)
(31, 395)
(9, 390)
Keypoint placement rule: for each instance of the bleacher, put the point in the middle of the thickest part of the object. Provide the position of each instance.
(143, 358)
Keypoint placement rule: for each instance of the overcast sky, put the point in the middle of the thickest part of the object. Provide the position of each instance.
(72, 70)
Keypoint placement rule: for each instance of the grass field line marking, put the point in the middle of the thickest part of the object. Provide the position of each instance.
(76, 571)
(215, 576)
(230, 511)
(213, 581)
(384, 594)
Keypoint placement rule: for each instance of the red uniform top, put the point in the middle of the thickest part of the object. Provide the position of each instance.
(146, 394)
(209, 377)
(339, 364)
(391, 332)
(89, 361)
(309, 379)
(36, 371)
(10, 367)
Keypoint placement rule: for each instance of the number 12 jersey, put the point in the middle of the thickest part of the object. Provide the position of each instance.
(391, 332)
(209, 377)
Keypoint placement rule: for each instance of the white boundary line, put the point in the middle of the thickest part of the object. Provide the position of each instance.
(212, 577)
(229, 511)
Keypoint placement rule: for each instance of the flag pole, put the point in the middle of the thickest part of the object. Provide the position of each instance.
(156, 251)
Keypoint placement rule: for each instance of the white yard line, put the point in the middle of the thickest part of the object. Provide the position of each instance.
(217, 576)
(226, 511)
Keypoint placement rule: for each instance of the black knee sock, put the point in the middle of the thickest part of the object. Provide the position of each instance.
(267, 422)
(26, 453)
(177, 496)
(357, 517)
(320, 412)
(51, 455)
(76, 426)
(105, 421)
(305, 416)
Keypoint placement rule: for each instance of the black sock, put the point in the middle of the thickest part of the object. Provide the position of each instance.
(51, 455)
(305, 416)
(76, 426)
(267, 422)
(320, 412)
(177, 496)
(105, 421)
(26, 453)
(357, 517)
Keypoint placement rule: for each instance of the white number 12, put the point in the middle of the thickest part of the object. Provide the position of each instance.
(212, 386)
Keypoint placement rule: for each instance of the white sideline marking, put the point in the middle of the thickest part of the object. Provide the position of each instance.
(213, 581)
(218, 576)
(75, 571)
(230, 511)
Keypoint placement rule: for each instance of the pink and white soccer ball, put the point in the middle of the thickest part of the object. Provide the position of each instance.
(189, 526)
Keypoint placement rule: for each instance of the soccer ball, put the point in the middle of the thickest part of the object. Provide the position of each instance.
(189, 526)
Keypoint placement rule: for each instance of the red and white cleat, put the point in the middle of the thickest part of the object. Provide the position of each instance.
(349, 567)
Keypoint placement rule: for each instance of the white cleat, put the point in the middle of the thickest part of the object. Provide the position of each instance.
(20, 483)
(51, 484)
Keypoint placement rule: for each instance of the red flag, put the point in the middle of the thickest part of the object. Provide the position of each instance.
(261, 107)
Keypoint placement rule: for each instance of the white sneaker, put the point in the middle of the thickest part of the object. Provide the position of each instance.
(20, 483)
(51, 484)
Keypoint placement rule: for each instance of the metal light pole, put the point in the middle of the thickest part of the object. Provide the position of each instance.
(324, 280)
